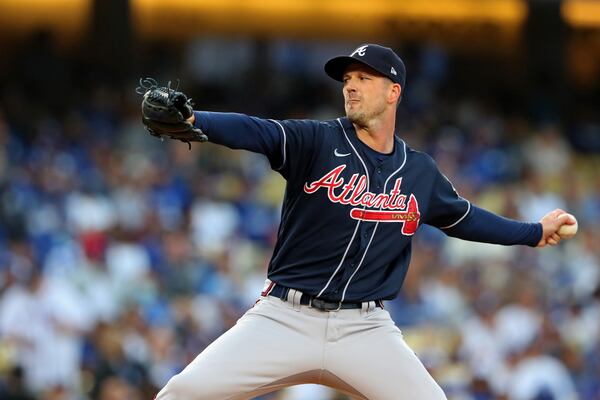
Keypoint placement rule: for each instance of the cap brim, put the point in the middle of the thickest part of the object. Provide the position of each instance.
(336, 67)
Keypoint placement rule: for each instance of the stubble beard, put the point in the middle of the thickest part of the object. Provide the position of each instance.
(362, 118)
(357, 117)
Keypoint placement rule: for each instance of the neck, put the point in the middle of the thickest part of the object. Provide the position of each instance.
(378, 134)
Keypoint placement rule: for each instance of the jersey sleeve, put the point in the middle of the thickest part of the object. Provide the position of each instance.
(483, 226)
(289, 145)
(457, 217)
(446, 207)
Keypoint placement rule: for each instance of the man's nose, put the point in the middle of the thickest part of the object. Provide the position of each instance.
(349, 87)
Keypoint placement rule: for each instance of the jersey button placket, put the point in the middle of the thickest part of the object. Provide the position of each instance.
(377, 179)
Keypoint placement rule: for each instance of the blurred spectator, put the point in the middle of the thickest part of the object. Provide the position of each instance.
(547, 152)
(44, 321)
(111, 365)
(517, 324)
(481, 345)
(213, 222)
(535, 199)
(117, 389)
(535, 375)
(14, 387)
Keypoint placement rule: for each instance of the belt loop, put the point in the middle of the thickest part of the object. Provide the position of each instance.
(367, 307)
(294, 298)
(364, 307)
(297, 297)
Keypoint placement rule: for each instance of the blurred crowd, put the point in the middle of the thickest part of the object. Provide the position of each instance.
(122, 257)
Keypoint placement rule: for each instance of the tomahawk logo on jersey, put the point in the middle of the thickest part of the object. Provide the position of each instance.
(378, 207)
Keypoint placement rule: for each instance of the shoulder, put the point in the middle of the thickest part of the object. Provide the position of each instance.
(416, 156)
(309, 126)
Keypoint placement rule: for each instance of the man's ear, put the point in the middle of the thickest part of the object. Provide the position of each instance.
(395, 93)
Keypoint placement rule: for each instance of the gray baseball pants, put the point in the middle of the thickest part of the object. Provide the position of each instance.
(282, 343)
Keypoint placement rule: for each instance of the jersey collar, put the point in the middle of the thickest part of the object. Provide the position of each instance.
(349, 127)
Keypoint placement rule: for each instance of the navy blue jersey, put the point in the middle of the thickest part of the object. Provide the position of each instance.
(349, 212)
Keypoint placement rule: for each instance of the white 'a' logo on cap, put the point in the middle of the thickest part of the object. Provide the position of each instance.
(393, 71)
(360, 51)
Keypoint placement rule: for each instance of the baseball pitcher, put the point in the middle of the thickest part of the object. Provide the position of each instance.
(356, 193)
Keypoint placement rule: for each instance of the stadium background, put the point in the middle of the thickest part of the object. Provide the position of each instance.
(122, 257)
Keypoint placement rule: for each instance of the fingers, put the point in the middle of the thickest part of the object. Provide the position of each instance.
(552, 223)
(552, 216)
(564, 218)
(552, 242)
(556, 212)
(570, 219)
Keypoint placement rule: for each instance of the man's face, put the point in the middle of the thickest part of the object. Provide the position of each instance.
(366, 93)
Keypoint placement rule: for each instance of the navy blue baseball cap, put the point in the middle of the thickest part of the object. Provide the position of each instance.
(381, 59)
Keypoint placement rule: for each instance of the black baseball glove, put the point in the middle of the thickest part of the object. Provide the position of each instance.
(165, 112)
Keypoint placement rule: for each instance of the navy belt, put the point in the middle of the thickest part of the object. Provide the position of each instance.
(323, 305)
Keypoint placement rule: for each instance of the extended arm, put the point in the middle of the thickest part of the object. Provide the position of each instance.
(288, 144)
(483, 226)
(459, 218)
(168, 113)
(239, 131)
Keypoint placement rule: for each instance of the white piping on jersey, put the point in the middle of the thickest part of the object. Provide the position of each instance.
(461, 218)
(284, 141)
(468, 204)
(357, 223)
(341, 261)
(376, 224)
